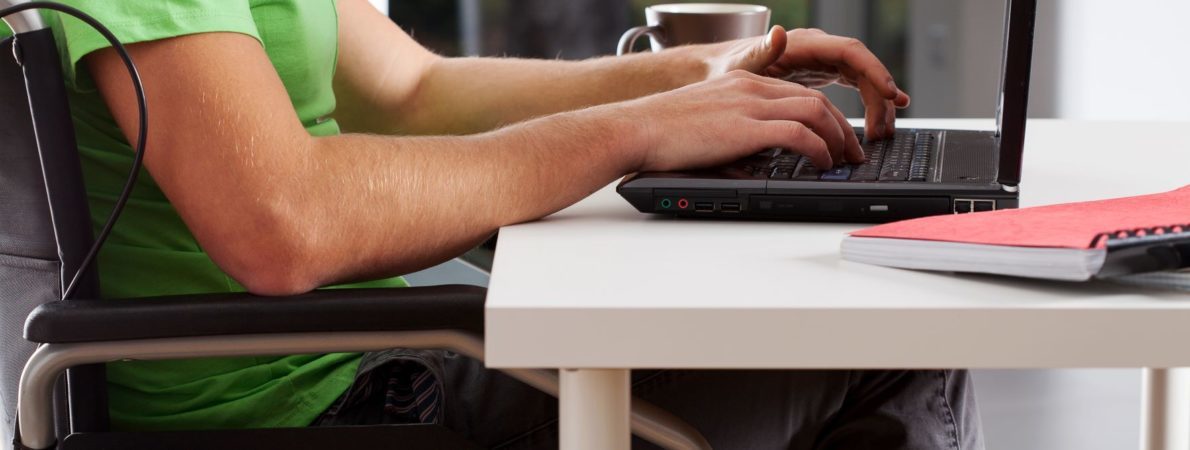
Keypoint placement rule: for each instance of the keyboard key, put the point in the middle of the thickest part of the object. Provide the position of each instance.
(866, 172)
(782, 173)
(837, 174)
(787, 159)
(865, 176)
(894, 174)
(874, 152)
(807, 172)
(894, 170)
(784, 161)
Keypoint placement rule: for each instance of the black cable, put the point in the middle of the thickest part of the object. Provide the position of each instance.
(142, 134)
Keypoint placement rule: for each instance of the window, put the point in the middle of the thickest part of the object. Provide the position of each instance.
(571, 29)
(945, 54)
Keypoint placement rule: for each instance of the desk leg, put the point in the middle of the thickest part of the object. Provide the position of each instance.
(1165, 418)
(594, 409)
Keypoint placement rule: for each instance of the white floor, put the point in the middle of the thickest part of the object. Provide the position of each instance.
(1083, 409)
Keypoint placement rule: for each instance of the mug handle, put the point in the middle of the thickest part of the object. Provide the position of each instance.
(629, 38)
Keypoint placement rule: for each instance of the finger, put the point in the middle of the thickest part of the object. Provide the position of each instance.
(850, 53)
(875, 115)
(848, 78)
(811, 111)
(890, 118)
(843, 81)
(852, 150)
(766, 51)
(777, 89)
(774, 88)
(797, 137)
(878, 109)
(902, 100)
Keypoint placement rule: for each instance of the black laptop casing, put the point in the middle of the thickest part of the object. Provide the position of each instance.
(965, 180)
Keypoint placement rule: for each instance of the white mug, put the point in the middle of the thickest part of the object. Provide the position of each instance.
(675, 24)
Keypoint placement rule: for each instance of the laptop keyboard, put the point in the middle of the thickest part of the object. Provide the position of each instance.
(906, 157)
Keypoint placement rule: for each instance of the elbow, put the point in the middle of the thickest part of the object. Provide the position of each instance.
(267, 262)
(274, 279)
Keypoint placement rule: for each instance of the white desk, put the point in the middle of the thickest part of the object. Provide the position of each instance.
(602, 289)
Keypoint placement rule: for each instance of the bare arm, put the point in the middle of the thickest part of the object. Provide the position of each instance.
(401, 88)
(284, 212)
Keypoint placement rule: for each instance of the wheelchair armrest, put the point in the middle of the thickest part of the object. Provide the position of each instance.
(337, 310)
(90, 331)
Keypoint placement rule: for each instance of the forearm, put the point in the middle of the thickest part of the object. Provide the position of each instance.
(468, 95)
(365, 206)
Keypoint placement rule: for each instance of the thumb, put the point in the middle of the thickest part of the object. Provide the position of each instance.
(766, 52)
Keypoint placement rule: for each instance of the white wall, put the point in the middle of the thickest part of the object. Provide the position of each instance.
(1123, 59)
(1093, 59)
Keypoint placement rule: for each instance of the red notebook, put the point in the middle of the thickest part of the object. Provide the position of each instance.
(1074, 241)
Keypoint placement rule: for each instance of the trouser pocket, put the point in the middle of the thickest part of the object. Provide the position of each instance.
(396, 386)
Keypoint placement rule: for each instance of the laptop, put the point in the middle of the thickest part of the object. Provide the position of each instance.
(919, 172)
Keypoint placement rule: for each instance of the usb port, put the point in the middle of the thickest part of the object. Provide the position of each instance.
(966, 205)
(704, 206)
(962, 206)
(729, 207)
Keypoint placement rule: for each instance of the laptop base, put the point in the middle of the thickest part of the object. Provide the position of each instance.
(816, 205)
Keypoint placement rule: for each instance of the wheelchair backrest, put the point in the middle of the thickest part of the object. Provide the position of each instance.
(45, 223)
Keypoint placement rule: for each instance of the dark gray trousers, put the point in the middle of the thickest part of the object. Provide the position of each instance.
(734, 409)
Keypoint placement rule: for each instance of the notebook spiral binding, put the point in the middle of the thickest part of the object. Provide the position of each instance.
(1141, 236)
(1152, 257)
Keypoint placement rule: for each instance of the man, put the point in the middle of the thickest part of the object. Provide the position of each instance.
(297, 144)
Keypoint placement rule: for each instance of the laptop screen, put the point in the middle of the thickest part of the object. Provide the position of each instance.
(1013, 105)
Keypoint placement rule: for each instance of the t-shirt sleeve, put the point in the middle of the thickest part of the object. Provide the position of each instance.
(134, 21)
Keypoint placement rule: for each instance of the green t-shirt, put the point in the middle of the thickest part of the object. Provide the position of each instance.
(151, 252)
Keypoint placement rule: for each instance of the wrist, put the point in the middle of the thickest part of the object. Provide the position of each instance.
(735, 55)
(691, 64)
(621, 134)
(672, 68)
